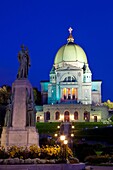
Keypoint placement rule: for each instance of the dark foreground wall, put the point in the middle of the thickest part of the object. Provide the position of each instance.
(80, 166)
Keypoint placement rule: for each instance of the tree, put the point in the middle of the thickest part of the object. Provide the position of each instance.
(111, 118)
(109, 104)
(5, 93)
(37, 96)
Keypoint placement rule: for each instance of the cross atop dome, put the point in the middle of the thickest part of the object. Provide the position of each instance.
(70, 30)
(70, 38)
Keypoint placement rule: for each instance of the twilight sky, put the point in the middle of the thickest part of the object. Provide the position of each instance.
(42, 25)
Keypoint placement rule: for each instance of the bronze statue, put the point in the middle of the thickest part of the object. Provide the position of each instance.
(24, 60)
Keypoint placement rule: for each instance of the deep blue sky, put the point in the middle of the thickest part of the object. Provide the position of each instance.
(42, 25)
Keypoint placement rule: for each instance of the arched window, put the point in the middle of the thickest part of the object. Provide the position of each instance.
(86, 116)
(47, 115)
(66, 116)
(70, 79)
(57, 116)
(38, 119)
(75, 115)
(74, 79)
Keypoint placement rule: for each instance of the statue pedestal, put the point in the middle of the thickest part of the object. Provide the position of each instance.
(4, 137)
(19, 137)
(20, 134)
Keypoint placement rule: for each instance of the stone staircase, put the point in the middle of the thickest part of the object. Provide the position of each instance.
(65, 128)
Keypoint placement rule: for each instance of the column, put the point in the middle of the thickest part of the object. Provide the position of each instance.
(71, 93)
(66, 93)
(61, 93)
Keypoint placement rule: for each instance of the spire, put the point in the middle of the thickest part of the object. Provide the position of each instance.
(70, 38)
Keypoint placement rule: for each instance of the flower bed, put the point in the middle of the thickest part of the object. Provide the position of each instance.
(35, 155)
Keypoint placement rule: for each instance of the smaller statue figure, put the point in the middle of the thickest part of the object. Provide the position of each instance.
(30, 113)
(8, 116)
(24, 60)
(84, 68)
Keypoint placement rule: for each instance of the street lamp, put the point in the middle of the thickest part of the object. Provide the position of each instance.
(62, 137)
(65, 148)
(72, 135)
(65, 142)
(73, 127)
(55, 134)
(58, 127)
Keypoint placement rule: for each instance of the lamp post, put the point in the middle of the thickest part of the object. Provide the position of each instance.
(71, 141)
(65, 148)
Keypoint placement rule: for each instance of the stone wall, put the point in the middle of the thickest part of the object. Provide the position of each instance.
(44, 167)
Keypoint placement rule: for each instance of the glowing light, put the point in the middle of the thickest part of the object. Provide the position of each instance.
(73, 91)
(41, 117)
(62, 137)
(72, 117)
(73, 127)
(65, 142)
(98, 117)
(61, 117)
(55, 134)
(72, 135)
(64, 91)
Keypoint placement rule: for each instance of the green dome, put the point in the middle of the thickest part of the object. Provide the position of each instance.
(70, 53)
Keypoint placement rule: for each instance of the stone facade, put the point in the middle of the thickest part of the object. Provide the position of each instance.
(72, 113)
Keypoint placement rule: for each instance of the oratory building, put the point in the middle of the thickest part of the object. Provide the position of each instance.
(71, 95)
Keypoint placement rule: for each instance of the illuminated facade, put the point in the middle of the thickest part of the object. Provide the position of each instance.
(70, 94)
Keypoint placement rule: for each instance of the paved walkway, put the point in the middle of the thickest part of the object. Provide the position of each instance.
(100, 167)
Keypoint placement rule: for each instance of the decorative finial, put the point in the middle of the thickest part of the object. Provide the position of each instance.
(70, 30)
(70, 38)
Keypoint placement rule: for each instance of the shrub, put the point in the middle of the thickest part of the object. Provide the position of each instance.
(98, 159)
(84, 150)
(3, 153)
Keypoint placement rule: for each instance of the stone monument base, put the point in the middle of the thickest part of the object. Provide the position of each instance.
(22, 130)
(19, 137)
